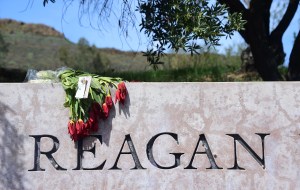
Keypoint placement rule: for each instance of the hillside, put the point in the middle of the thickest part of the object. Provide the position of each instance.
(11, 26)
(41, 47)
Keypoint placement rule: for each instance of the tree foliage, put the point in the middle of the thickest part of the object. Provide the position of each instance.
(84, 57)
(179, 25)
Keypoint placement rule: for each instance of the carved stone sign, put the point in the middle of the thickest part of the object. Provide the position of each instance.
(166, 136)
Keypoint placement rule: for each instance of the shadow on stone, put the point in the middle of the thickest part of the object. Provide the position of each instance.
(106, 126)
(11, 148)
(125, 108)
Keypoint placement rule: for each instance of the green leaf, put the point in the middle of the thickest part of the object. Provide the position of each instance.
(82, 110)
(65, 74)
(91, 93)
(76, 108)
(95, 83)
(96, 97)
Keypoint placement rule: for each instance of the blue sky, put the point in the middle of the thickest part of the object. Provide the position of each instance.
(33, 11)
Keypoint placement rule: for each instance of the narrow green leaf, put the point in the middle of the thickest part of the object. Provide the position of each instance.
(95, 83)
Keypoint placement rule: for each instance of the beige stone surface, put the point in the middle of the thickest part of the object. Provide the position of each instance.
(187, 109)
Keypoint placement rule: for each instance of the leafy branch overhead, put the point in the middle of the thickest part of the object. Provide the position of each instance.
(179, 25)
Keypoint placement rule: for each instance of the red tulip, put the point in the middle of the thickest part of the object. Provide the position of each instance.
(93, 124)
(79, 127)
(71, 127)
(105, 111)
(72, 130)
(108, 101)
(121, 93)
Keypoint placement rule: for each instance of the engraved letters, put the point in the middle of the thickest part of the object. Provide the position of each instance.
(201, 151)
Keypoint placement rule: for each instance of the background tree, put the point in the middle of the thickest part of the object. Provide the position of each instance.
(191, 24)
(83, 57)
(3, 50)
(97, 62)
(266, 45)
(65, 56)
(88, 57)
(294, 66)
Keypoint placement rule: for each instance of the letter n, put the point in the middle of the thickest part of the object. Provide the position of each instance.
(238, 138)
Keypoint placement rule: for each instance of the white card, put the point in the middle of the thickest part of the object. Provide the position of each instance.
(84, 84)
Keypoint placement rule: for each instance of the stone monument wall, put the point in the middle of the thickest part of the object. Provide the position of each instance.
(166, 136)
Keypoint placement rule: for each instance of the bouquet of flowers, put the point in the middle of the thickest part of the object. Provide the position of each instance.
(89, 98)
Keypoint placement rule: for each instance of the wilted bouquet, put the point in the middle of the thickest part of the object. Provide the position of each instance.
(86, 112)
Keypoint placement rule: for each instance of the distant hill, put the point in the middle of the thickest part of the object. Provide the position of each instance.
(11, 26)
(37, 46)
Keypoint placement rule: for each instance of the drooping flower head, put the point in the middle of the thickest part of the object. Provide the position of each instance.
(108, 101)
(79, 127)
(121, 93)
(72, 130)
(105, 111)
(71, 127)
(92, 124)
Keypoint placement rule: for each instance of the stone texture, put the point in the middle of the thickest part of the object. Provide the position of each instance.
(187, 109)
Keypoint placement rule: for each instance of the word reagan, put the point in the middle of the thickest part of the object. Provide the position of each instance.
(149, 151)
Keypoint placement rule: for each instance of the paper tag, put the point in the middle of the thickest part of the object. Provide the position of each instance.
(84, 84)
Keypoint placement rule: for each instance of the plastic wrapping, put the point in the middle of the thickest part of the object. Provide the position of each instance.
(43, 76)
